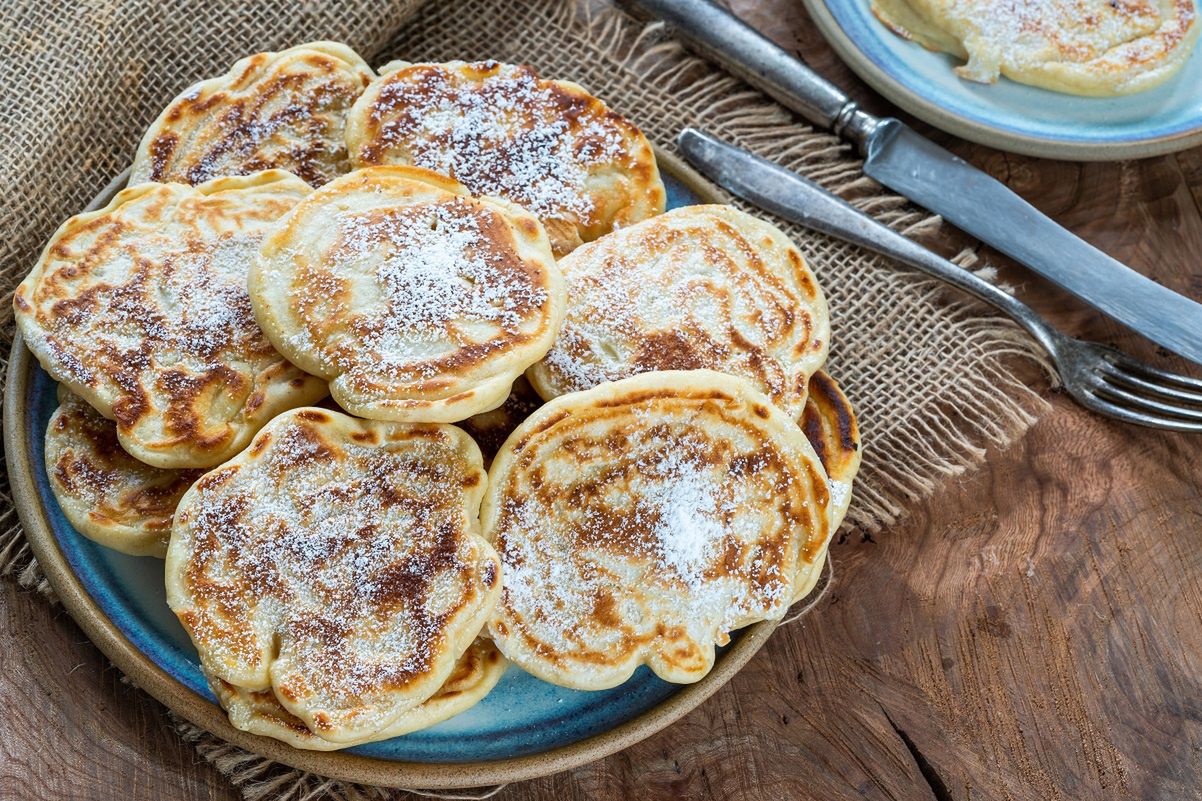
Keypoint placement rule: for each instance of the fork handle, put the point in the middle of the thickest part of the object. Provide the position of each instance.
(797, 199)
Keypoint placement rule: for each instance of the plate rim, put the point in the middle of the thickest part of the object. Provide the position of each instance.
(340, 765)
(926, 110)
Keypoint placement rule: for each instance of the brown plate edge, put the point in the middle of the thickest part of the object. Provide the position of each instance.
(201, 712)
(932, 113)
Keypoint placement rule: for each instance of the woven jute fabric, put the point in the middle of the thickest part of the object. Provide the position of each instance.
(934, 377)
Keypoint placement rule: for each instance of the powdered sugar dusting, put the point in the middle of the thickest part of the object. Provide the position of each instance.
(415, 286)
(354, 558)
(510, 134)
(1079, 46)
(693, 288)
(149, 303)
(673, 522)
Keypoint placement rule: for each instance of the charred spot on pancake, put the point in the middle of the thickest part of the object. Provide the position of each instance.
(811, 423)
(161, 151)
(129, 409)
(260, 443)
(668, 350)
(543, 425)
(215, 478)
(80, 475)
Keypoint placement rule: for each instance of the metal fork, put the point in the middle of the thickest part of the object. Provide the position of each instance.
(1098, 377)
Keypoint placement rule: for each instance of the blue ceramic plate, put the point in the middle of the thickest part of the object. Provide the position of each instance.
(1009, 115)
(524, 728)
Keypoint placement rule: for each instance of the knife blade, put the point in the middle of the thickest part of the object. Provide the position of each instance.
(934, 178)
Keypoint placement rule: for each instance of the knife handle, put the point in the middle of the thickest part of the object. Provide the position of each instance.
(720, 36)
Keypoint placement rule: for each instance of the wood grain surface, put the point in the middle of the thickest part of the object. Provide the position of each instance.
(1034, 631)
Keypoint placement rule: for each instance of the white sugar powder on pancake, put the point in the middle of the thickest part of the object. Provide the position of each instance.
(1082, 47)
(698, 287)
(338, 562)
(415, 300)
(643, 520)
(501, 130)
(142, 309)
(471, 136)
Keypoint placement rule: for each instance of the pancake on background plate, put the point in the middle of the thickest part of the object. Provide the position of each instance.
(501, 130)
(642, 521)
(283, 110)
(338, 563)
(141, 309)
(417, 301)
(1080, 47)
(260, 712)
(106, 494)
(699, 287)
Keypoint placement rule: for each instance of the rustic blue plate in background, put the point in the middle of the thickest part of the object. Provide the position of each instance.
(522, 729)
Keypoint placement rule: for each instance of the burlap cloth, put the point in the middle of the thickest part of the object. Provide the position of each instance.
(934, 377)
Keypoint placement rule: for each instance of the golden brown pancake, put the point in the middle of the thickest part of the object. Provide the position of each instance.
(106, 494)
(1080, 47)
(417, 301)
(701, 287)
(260, 712)
(284, 110)
(501, 130)
(830, 425)
(337, 563)
(641, 521)
(141, 309)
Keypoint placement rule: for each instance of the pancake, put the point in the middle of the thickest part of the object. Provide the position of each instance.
(490, 429)
(1080, 47)
(106, 494)
(501, 130)
(829, 423)
(260, 712)
(283, 110)
(641, 521)
(417, 301)
(141, 309)
(699, 287)
(337, 563)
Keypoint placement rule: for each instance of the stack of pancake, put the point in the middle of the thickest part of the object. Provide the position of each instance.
(439, 244)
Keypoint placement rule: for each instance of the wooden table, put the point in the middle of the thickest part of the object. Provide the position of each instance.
(1032, 631)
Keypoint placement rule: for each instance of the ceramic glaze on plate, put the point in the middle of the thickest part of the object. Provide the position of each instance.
(1008, 115)
(522, 729)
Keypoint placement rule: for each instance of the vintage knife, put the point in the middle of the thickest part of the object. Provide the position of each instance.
(932, 177)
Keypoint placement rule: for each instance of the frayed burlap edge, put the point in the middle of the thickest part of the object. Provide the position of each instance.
(939, 448)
